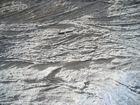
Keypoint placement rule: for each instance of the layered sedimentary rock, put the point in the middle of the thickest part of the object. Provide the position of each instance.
(70, 52)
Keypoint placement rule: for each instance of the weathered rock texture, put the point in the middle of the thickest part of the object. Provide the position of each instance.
(70, 52)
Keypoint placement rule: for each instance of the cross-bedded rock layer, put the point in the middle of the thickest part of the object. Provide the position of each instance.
(70, 52)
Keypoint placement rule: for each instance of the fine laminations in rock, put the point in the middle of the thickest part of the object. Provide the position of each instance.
(69, 52)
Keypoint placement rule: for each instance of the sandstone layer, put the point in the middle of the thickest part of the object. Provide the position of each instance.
(70, 52)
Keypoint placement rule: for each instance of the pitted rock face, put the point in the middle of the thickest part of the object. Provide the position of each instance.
(70, 52)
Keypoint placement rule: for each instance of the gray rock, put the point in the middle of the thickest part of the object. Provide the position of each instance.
(69, 52)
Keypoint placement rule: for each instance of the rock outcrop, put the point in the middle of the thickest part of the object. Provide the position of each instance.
(70, 52)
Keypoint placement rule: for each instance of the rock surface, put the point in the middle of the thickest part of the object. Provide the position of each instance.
(70, 52)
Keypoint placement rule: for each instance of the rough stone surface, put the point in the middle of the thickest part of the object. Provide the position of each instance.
(70, 52)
